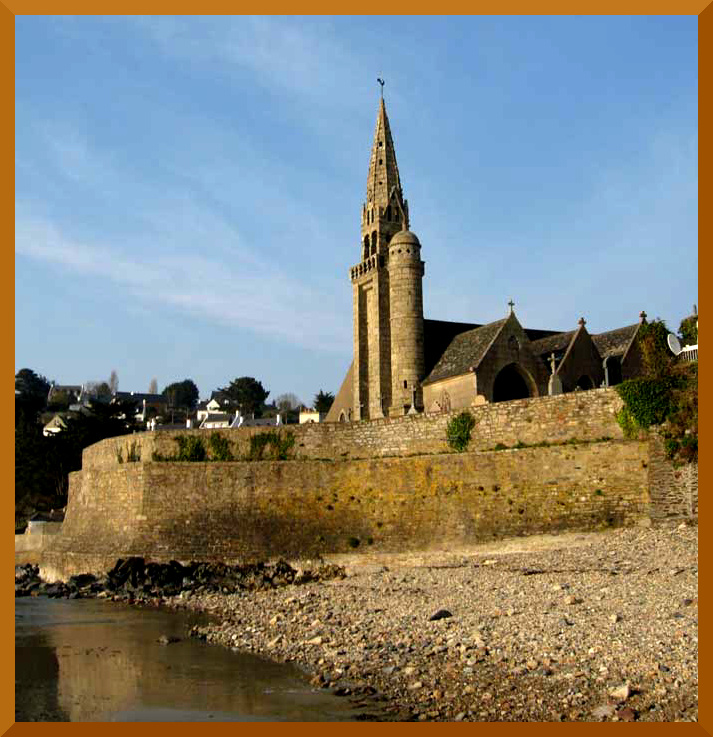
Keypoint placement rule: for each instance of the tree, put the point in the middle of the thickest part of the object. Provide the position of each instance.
(323, 401)
(113, 382)
(42, 464)
(153, 386)
(688, 330)
(246, 393)
(32, 398)
(181, 394)
(287, 402)
(29, 383)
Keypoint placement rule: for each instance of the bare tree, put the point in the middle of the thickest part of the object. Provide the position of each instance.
(114, 382)
(287, 402)
(153, 386)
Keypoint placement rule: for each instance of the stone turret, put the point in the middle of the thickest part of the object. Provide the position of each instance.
(406, 299)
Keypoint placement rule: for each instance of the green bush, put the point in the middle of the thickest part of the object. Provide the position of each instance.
(190, 448)
(219, 447)
(459, 430)
(271, 445)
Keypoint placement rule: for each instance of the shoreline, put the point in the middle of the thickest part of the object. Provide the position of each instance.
(585, 626)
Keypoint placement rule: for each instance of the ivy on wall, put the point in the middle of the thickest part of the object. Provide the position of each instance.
(665, 396)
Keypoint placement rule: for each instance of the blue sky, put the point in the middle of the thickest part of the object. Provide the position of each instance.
(188, 189)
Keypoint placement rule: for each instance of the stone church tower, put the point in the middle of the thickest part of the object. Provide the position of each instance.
(387, 293)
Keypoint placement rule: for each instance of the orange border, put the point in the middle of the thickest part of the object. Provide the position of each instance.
(7, 48)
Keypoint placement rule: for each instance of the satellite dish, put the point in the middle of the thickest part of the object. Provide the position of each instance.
(673, 344)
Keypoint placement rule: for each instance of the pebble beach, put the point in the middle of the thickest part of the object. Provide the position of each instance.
(592, 626)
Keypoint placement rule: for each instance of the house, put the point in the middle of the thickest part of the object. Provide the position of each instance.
(145, 404)
(311, 415)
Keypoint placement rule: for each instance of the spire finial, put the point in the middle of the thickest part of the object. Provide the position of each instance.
(581, 322)
(381, 82)
(511, 304)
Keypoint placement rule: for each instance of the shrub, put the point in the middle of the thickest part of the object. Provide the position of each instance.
(190, 448)
(279, 444)
(219, 447)
(459, 430)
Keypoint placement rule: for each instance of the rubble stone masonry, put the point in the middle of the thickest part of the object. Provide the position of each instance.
(342, 493)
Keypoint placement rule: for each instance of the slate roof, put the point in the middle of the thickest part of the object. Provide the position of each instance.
(553, 343)
(437, 336)
(465, 350)
(615, 342)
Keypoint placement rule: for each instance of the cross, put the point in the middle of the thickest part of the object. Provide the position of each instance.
(381, 82)
(512, 304)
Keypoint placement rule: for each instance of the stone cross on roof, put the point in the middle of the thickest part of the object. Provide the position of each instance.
(511, 304)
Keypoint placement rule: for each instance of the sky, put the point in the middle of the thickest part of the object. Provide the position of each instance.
(188, 190)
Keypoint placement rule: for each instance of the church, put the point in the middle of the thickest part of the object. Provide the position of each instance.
(404, 363)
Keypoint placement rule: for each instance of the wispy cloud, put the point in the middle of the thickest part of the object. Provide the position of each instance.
(247, 294)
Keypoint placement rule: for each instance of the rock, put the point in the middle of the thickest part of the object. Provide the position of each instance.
(621, 693)
(603, 711)
(627, 714)
(572, 599)
(459, 717)
(168, 639)
(440, 614)
(614, 618)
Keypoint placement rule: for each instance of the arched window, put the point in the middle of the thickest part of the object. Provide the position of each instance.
(373, 242)
(388, 212)
(366, 248)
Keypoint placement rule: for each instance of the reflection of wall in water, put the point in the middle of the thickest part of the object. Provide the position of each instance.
(36, 674)
(118, 665)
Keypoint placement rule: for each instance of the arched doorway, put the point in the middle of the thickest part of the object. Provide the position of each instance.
(612, 367)
(511, 383)
(584, 382)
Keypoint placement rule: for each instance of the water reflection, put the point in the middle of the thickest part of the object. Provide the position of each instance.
(94, 660)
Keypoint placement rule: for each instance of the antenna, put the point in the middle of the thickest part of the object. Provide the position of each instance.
(673, 344)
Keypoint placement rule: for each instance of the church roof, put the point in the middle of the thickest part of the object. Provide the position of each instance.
(615, 342)
(553, 343)
(466, 350)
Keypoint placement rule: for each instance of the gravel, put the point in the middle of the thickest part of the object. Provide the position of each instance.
(573, 627)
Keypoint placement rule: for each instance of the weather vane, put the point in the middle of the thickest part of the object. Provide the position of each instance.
(381, 82)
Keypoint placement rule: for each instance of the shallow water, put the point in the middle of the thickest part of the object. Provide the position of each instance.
(90, 660)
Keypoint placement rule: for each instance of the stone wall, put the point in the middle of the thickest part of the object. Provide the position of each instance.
(576, 416)
(258, 510)
(673, 491)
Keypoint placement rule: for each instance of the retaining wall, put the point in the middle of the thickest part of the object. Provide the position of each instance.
(258, 510)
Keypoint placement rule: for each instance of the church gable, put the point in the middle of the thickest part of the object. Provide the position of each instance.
(581, 366)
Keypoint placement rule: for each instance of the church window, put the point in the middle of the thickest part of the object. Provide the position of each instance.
(388, 212)
(381, 161)
(381, 143)
(405, 384)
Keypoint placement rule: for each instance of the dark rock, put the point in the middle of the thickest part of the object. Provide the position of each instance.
(440, 614)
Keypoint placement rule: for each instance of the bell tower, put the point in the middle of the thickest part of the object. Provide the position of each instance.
(378, 350)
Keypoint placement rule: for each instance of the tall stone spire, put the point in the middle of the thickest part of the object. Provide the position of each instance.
(383, 169)
(385, 211)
